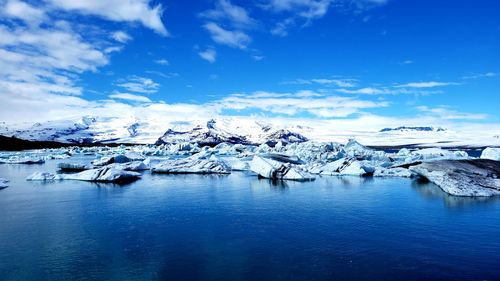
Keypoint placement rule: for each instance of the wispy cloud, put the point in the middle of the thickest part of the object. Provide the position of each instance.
(303, 12)
(429, 84)
(342, 83)
(129, 97)
(234, 39)
(162, 62)
(121, 36)
(138, 84)
(449, 114)
(234, 15)
(298, 103)
(481, 75)
(209, 55)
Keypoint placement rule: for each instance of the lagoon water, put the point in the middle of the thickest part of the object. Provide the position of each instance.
(237, 227)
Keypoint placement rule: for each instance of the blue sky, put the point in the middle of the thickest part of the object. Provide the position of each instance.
(316, 59)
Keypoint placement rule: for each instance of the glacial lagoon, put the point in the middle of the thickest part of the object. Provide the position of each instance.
(239, 227)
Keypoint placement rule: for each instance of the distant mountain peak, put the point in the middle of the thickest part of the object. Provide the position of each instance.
(419, 129)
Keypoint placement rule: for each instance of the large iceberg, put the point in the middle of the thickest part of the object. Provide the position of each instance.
(492, 153)
(478, 177)
(104, 174)
(273, 169)
(192, 166)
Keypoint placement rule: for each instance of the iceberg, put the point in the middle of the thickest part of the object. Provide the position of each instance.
(121, 158)
(43, 176)
(4, 183)
(23, 160)
(104, 174)
(344, 167)
(131, 166)
(492, 153)
(73, 167)
(393, 172)
(273, 169)
(478, 177)
(192, 166)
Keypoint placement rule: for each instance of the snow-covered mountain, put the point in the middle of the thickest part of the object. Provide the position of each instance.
(413, 129)
(245, 130)
(214, 132)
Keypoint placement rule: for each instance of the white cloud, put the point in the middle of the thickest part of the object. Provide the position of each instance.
(449, 114)
(235, 15)
(138, 84)
(343, 83)
(24, 11)
(481, 75)
(430, 84)
(303, 12)
(373, 91)
(130, 97)
(121, 36)
(118, 10)
(298, 103)
(209, 55)
(162, 62)
(234, 39)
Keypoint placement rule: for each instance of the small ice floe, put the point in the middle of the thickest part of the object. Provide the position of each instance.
(121, 158)
(131, 166)
(4, 183)
(492, 153)
(22, 160)
(478, 177)
(273, 169)
(393, 172)
(192, 166)
(104, 174)
(343, 167)
(73, 167)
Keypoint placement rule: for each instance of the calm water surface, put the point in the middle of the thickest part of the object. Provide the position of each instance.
(236, 227)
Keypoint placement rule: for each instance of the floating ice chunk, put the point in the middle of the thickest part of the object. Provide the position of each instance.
(492, 153)
(393, 172)
(438, 153)
(192, 166)
(121, 158)
(131, 166)
(478, 177)
(23, 160)
(73, 167)
(356, 168)
(104, 174)
(354, 149)
(238, 164)
(43, 176)
(282, 158)
(4, 183)
(272, 169)
(346, 167)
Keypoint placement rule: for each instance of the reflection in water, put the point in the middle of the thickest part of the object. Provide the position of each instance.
(429, 190)
(239, 227)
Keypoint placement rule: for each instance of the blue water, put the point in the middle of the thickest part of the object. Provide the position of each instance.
(237, 227)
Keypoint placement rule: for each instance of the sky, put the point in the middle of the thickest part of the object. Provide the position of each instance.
(355, 62)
